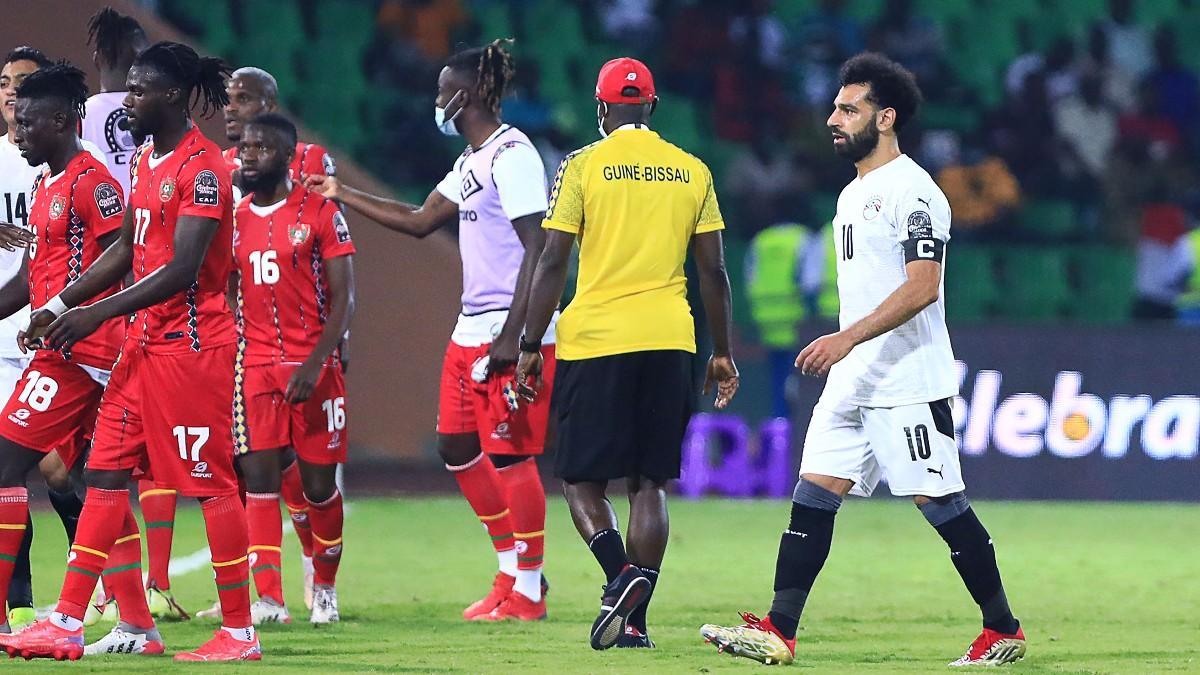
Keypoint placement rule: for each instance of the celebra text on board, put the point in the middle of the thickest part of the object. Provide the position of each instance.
(648, 174)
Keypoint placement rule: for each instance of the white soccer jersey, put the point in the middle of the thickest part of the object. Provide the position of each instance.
(16, 187)
(102, 126)
(876, 214)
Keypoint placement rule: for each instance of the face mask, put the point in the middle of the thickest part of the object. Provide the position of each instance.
(601, 111)
(446, 126)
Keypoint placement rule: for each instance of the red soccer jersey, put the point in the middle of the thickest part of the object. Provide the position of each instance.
(280, 251)
(189, 181)
(70, 212)
(310, 160)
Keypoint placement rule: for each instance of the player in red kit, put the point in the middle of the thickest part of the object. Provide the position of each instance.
(293, 253)
(76, 211)
(173, 383)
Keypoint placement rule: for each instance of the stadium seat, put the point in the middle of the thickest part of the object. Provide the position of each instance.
(350, 22)
(1050, 219)
(1104, 288)
(214, 20)
(971, 290)
(1035, 282)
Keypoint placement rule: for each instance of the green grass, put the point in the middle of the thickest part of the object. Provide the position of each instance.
(1099, 588)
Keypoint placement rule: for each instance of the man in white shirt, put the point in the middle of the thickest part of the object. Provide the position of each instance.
(885, 411)
(117, 39)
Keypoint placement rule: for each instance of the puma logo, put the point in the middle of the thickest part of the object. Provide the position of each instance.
(938, 471)
(924, 201)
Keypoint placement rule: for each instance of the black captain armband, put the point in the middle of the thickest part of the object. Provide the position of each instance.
(924, 248)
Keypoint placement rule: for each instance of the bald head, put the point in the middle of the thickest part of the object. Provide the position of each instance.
(252, 91)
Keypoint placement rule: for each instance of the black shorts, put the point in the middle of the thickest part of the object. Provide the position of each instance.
(623, 415)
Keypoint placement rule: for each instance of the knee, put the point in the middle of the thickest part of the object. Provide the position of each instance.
(838, 486)
(57, 476)
(319, 481)
(812, 495)
(458, 449)
(941, 510)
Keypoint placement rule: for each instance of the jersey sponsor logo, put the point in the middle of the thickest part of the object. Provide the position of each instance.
(872, 208)
(920, 226)
(470, 185)
(298, 233)
(58, 206)
(340, 228)
(335, 441)
(328, 163)
(108, 201)
(206, 189)
(502, 432)
(200, 470)
(166, 189)
(19, 416)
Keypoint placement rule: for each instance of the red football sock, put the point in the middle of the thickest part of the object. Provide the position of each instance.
(228, 541)
(527, 499)
(158, 512)
(292, 491)
(266, 540)
(14, 513)
(326, 520)
(480, 484)
(100, 524)
(123, 575)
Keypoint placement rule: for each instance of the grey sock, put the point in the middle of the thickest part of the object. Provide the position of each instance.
(941, 510)
(815, 497)
(150, 633)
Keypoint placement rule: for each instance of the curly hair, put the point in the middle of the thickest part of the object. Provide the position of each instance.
(891, 84)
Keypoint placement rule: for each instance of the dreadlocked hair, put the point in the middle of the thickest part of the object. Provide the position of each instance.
(109, 32)
(493, 67)
(203, 76)
(60, 80)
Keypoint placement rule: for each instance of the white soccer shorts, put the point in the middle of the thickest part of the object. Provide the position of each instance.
(11, 369)
(911, 447)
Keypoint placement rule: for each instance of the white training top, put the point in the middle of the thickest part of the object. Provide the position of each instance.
(913, 363)
(101, 125)
(16, 188)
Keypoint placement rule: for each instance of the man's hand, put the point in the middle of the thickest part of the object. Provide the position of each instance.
(503, 352)
(31, 336)
(326, 186)
(72, 327)
(14, 237)
(529, 375)
(819, 356)
(722, 371)
(302, 382)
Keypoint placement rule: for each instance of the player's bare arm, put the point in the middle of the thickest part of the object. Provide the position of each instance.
(192, 237)
(109, 269)
(340, 271)
(504, 350)
(709, 251)
(915, 294)
(417, 221)
(549, 280)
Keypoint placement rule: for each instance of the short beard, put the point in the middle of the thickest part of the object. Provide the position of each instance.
(856, 147)
(264, 180)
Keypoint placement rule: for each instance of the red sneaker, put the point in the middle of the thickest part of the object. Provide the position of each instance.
(756, 639)
(45, 640)
(224, 647)
(992, 648)
(502, 587)
(517, 606)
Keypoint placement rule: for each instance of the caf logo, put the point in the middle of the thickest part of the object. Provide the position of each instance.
(58, 206)
(298, 233)
(166, 189)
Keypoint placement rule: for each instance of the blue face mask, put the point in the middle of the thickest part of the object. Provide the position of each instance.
(444, 125)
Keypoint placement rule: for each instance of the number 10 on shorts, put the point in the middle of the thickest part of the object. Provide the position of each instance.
(190, 452)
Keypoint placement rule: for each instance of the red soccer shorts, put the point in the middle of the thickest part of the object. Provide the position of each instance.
(172, 414)
(52, 408)
(316, 428)
(465, 406)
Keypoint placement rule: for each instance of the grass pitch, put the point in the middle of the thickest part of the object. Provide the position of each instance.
(1098, 587)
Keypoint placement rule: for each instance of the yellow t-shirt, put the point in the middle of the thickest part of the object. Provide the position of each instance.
(634, 200)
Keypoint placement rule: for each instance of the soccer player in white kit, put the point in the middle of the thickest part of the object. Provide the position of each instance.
(16, 198)
(117, 39)
(885, 411)
(497, 190)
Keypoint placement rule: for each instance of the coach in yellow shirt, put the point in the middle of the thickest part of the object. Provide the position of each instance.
(623, 390)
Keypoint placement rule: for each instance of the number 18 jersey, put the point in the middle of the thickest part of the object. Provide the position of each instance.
(895, 206)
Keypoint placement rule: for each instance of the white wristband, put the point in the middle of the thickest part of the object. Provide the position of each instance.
(55, 306)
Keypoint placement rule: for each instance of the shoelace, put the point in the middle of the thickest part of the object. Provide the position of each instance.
(753, 621)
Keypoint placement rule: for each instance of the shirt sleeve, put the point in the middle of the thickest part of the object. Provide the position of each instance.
(101, 202)
(204, 188)
(318, 162)
(922, 213)
(710, 219)
(520, 180)
(334, 237)
(451, 186)
(565, 211)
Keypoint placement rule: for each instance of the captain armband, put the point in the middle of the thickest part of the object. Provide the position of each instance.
(924, 248)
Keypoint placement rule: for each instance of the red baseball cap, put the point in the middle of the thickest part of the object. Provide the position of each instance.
(618, 75)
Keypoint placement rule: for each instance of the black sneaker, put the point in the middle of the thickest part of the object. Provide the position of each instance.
(633, 638)
(621, 597)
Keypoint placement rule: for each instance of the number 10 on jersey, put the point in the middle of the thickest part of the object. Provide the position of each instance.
(847, 241)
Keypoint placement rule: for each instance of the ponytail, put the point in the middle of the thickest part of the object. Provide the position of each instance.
(210, 85)
(202, 77)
